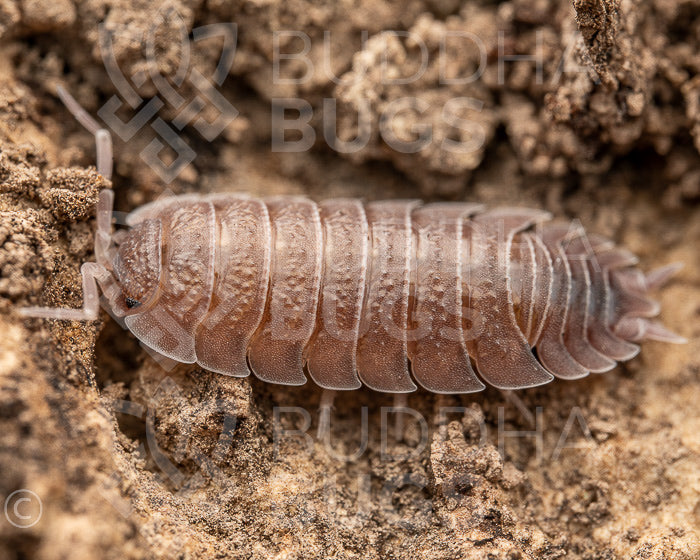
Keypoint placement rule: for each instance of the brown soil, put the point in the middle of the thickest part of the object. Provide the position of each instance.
(134, 459)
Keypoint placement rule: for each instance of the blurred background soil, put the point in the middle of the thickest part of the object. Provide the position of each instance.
(135, 460)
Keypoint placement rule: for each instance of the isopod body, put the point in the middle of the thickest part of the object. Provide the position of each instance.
(386, 294)
(389, 294)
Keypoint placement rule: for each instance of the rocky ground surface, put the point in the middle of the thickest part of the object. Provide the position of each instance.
(134, 458)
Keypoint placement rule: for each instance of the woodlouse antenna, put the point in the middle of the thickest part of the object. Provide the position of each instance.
(103, 139)
(92, 272)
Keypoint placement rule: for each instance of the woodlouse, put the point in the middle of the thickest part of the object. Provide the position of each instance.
(354, 292)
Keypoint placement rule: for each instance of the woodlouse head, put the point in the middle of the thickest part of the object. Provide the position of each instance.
(137, 266)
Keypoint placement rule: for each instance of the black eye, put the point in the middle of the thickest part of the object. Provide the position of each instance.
(131, 303)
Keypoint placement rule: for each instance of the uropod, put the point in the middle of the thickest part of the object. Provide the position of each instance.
(392, 294)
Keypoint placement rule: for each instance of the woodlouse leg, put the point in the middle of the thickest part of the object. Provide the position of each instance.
(400, 403)
(518, 403)
(324, 414)
(91, 272)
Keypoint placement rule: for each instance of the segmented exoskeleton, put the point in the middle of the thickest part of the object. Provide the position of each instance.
(388, 294)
